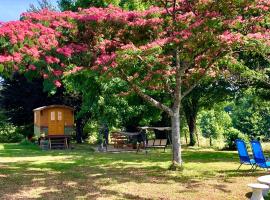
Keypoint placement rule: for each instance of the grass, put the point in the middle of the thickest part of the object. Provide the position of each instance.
(26, 172)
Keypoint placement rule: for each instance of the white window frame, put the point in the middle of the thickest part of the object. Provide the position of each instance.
(59, 116)
(52, 115)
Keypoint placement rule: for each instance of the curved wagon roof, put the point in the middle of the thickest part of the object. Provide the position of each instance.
(53, 106)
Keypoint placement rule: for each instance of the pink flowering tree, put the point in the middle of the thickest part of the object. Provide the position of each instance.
(165, 49)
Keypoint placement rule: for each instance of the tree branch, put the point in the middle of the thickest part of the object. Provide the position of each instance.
(165, 4)
(197, 83)
(189, 90)
(151, 100)
(146, 97)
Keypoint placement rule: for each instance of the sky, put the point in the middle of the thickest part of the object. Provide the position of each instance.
(11, 9)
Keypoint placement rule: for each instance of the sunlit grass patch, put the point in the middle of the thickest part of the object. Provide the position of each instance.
(84, 174)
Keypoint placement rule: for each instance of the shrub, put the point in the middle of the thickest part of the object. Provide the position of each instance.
(8, 134)
(231, 135)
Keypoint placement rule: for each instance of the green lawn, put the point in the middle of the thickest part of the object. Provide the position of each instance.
(26, 172)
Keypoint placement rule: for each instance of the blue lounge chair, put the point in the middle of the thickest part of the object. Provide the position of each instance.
(243, 154)
(259, 155)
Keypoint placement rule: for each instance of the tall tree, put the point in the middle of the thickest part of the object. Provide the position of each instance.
(205, 95)
(160, 49)
(42, 4)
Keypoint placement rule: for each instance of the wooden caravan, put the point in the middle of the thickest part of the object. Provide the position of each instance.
(53, 121)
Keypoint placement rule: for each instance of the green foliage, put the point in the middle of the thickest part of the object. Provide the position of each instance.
(209, 125)
(125, 4)
(9, 134)
(26, 142)
(251, 115)
(231, 135)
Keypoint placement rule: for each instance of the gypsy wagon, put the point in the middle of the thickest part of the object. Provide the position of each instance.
(54, 123)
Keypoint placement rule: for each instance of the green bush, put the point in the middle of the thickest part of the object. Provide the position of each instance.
(231, 135)
(26, 130)
(8, 134)
(26, 142)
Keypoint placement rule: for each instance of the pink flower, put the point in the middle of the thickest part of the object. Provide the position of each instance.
(15, 67)
(72, 48)
(229, 37)
(45, 76)
(51, 59)
(57, 72)
(74, 70)
(17, 57)
(66, 51)
(32, 67)
(57, 83)
(4, 59)
(105, 59)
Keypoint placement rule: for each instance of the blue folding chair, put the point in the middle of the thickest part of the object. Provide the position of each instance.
(243, 154)
(259, 155)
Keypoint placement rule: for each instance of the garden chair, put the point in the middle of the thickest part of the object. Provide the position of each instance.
(243, 154)
(258, 155)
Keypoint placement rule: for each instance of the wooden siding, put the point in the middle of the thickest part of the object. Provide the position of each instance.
(44, 118)
(68, 117)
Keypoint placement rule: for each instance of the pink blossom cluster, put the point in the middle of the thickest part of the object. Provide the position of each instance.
(263, 5)
(146, 22)
(17, 57)
(74, 70)
(5, 58)
(230, 37)
(32, 67)
(185, 17)
(259, 36)
(31, 51)
(18, 31)
(107, 45)
(55, 19)
(47, 42)
(118, 15)
(57, 83)
(69, 49)
(105, 59)
(112, 29)
(51, 59)
(129, 46)
(57, 72)
(184, 34)
(157, 43)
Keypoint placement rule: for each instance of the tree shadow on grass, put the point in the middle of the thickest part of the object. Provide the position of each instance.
(84, 173)
(244, 173)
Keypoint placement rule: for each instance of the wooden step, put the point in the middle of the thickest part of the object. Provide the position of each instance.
(58, 143)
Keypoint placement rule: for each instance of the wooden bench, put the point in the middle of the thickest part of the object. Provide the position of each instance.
(156, 143)
(118, 140)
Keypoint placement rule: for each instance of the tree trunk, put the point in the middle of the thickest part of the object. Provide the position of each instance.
(192, 128)
(190, 106)
(210, 140)
(79, 130)
(176, 146)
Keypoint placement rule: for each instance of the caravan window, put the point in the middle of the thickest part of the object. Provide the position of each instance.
(59, 116)
(52, 115)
